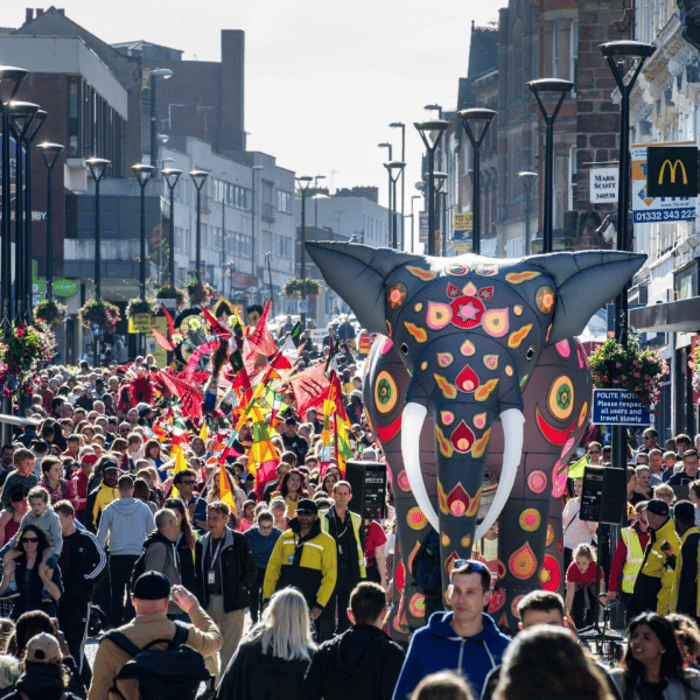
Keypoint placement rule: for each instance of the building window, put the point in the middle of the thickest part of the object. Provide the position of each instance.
(284, 247)
(284, 201)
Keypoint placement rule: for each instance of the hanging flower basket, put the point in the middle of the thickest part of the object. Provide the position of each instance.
(101, 313)
(199, 292)
(139, 306)
(639, 370)
(302, 288)
(25, 350)
(168, 291)
(50, 311)
(694, 364)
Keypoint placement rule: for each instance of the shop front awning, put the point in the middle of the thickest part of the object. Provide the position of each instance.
(672, 317)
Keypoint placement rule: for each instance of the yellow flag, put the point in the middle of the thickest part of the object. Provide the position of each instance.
(204, 432)
(225, 492)
(180, 465)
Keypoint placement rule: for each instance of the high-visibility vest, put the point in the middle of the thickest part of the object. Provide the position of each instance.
(633, 562)
(356, 521)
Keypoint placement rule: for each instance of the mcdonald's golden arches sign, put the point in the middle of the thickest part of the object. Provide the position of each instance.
(672, 171)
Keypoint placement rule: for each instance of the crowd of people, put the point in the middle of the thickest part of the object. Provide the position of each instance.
(127, 517)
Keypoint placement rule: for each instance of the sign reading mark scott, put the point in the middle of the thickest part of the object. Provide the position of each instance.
(618, 407)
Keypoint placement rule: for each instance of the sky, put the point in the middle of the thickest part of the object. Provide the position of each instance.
(323, 78)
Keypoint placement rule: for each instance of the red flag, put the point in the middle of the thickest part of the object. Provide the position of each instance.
(261, 337)
(264, 474)
(205, 349)
(162, 341)
(191, 397)
(216, 327)
(169, 319)
(310, 388)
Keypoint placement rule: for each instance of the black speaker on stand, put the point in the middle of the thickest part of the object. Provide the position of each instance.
(368, 483)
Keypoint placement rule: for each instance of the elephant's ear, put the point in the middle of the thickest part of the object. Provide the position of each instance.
(357, 273)
(585, 281)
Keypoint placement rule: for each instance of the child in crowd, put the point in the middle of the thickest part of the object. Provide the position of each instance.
(23, 476)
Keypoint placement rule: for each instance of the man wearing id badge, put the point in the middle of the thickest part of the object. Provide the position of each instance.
(225, 571)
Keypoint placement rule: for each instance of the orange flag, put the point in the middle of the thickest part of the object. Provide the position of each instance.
(225, 493)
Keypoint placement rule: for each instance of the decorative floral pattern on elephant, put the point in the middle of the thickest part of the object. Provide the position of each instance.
(497, 320)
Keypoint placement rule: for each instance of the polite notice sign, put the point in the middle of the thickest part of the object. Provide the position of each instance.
(603, 185)
(618, 407)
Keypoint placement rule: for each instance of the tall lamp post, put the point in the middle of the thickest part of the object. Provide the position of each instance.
(402, 126)
(97, 168)
(255, 169)
(171, 175)
(441, 191)
(431, 132)
(303, 182)
(143, 174)
(559, 89)
(21, 116)
(164, 73)
(268, 257)
(49, 152)
(395, 169)
(617, 52)
(199, 177)
(528, 178)
(388, 146)
(32, 132)
(10, 80)
(476, 123)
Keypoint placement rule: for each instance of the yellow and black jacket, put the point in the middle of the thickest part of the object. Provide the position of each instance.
(307, 563)
(652, 589)
(686, 586)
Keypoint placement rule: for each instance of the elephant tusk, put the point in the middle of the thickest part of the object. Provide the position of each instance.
(412, 421)
(512, 420)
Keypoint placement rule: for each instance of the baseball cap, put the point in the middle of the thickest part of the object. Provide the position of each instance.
(657, 506)
(43, 648)
(306, 505)
(151, 585)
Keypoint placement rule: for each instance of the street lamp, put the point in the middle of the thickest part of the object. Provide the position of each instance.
(431, 132)
(476, 123)
(21, 115)
(441, 190)
(166, 74)
(528, 178)
(10, 79)
(268, 256)
(413, 198)
(32, 132)
(171, 175)
(255, 168)
(199, 178)
(143, 174)
(49, 152)
(636, 52)
(316, 179)
(402, 126)
(97, 168)
(303, 182)
(395, 169)
(558, 89)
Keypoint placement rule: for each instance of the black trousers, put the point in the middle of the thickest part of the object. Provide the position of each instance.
(340, 600)
(256, 595)
(73, 620)
(121, 567)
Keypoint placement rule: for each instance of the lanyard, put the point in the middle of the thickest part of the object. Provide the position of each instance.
(213, 556)
(338, 534)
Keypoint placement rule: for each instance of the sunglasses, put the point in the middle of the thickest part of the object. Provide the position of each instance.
(188, 481)
(471, 565)
(593, 452)
(30, 539)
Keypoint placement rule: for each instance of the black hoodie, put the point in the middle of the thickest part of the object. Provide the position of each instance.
(41, 682)
(363, 663)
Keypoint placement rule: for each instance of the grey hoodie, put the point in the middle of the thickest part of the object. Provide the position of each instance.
(128, 521)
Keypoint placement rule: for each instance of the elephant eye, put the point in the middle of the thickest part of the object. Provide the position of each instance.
(404, 348)
(530, 352)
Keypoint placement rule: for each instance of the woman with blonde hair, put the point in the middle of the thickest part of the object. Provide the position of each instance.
(548, 662)
(271, 662)
(444, 685)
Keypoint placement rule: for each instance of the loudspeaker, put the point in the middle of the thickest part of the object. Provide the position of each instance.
(604, 495)
(368, 483)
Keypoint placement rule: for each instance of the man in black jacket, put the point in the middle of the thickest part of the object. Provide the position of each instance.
(225, 571)
(362, 662)
(81, 562)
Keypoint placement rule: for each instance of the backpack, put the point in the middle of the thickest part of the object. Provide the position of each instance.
(426, 564)
(174, 673)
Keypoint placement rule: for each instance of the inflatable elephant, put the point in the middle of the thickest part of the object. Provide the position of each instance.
(470, 331)
(556, 400)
